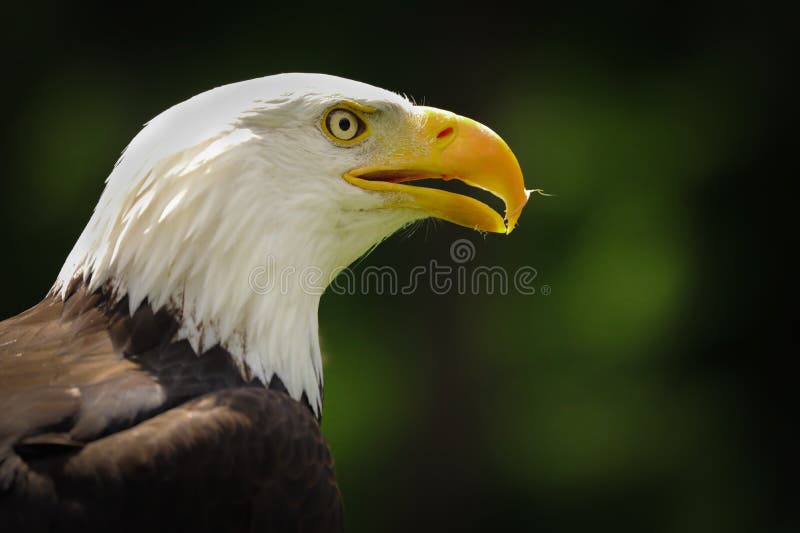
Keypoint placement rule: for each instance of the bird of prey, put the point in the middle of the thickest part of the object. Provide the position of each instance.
(153, 389)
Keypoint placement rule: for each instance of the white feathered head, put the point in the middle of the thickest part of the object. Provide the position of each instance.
(294, 171)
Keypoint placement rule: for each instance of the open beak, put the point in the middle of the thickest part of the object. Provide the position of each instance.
(446, 146)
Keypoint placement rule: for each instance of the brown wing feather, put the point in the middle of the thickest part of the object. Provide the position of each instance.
(245, 459)
(106, 424)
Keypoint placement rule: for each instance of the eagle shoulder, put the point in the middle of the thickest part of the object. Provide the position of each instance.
(106, 423)
(241, 459)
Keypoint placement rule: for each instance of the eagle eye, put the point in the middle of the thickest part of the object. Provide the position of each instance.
(344, 125)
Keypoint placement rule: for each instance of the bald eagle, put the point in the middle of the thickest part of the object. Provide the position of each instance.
(153, 388)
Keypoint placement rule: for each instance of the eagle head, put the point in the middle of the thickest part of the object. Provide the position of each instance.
(295, 173)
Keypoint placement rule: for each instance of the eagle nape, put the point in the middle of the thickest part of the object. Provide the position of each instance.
(154, 387)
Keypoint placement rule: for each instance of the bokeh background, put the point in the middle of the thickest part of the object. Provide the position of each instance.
(639, 394)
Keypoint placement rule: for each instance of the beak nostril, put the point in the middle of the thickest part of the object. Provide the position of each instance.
(444, 133)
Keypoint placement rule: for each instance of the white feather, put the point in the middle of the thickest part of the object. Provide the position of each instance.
(212, 188)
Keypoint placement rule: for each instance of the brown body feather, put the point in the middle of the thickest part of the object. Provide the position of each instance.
(107, 424)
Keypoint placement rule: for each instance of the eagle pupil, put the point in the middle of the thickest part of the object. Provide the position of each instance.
(344, 124)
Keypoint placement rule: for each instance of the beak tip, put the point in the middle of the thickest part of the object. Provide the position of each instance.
(512, 217)
(510, 226)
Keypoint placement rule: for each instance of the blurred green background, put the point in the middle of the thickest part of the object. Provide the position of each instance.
(637, 394)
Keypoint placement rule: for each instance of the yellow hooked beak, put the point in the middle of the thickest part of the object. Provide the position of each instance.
(447, 146)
